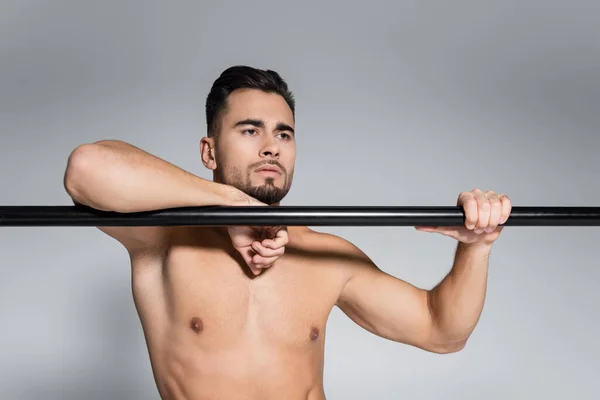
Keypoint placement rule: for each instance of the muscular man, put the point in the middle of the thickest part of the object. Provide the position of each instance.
(240, 312)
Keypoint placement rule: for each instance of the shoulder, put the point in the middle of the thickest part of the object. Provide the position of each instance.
(330, 240)
(157, 243)
(332, 249)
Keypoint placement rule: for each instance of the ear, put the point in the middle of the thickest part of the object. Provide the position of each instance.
(207, 152)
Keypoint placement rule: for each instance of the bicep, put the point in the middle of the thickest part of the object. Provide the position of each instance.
(388, 307)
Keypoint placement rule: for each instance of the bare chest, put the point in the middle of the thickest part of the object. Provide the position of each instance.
(208, 295)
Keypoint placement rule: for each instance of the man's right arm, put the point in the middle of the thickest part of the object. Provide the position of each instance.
(116, 176)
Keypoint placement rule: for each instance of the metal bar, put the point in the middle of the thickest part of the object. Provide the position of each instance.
(18, 216)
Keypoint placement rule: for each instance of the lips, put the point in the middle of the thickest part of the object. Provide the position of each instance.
(269, 168)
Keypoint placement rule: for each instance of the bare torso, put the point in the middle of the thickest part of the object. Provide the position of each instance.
(215, 331)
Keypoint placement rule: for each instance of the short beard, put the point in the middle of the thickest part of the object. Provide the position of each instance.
(266, 193)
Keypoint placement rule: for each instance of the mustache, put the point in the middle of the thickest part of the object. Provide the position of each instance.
(270, 162)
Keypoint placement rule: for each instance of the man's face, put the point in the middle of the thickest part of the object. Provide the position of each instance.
(256, 147)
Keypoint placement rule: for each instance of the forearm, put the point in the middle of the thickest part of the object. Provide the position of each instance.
(457, 302)
(117, 176)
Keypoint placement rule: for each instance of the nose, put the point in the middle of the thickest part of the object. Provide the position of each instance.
(270, 147)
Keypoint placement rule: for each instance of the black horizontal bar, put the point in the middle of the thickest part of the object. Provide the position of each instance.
(288, 216)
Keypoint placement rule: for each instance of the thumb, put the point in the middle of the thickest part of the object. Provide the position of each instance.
(450, 231)
(427, 228)
(255, 270)
(247, 254)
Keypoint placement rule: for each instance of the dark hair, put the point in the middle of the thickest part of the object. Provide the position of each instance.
(242, 77)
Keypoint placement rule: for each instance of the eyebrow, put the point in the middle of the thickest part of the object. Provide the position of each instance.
(260, 124)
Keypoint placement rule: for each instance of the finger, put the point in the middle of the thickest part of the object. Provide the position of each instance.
(267, 252)
(263, 262)
(444, 230)
(495, 211)
(469, 204)
(506, 208)
(483, 209)
(248, 257)
(269, 232)
(254, 268)
(270, 244)
(450, 231)
(280, 240)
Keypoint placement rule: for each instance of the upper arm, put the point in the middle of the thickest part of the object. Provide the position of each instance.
(385, 305)
(135, 238)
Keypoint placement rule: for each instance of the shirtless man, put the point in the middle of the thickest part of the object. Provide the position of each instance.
(240, 312)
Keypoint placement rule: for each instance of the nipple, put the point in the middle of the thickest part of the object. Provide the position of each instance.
(196, 324)
(314, 334)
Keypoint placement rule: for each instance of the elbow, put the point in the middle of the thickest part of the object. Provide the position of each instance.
(442, 343)
(450, 348)
(78, 165)
(447, 347)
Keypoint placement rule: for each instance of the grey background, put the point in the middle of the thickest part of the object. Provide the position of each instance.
(399, 103)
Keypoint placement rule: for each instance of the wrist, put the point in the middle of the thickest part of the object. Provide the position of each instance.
(215, 194)
(230, 195)
(235, 197)
(476, 247)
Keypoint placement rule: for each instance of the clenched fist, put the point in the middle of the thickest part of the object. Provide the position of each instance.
(485, 214)
(260, 246)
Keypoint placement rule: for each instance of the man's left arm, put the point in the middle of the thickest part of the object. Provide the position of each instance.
(442, 319)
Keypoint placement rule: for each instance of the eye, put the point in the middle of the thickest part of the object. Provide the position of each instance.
(250, 130)
(285, 136)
